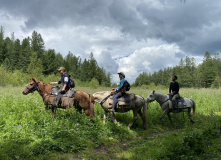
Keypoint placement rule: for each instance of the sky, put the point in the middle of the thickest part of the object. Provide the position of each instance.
(124, 35)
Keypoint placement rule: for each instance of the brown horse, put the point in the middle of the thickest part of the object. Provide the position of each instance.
(81, 100)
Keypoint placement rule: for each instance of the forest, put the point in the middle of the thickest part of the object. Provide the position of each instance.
(20, 60)
(28, 58)
(204, 75)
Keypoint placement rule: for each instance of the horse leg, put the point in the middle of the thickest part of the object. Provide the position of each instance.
(168, 114)
(87, 112)
(189, 115)
(134, 118)
(164, 113)
(105, 115)
(143, 116)
(53, 111)
(92, 109)
(113, 117)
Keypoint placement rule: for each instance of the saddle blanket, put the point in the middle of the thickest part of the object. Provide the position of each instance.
(181, 103)
(124, 100)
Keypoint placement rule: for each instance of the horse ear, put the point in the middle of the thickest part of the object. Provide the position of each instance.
(34, 79)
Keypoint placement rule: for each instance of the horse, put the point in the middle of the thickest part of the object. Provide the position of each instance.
(81, 100)
(136, 104)
(165, 104)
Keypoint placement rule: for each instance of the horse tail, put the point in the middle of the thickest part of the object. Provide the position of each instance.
(194, 106)
(145, 108)
(92, 102)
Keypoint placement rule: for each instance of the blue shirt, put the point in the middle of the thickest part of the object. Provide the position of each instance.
(122, 80)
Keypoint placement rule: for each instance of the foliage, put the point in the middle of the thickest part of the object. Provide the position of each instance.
(29, 56)
(94, 83)
(26, 133)
(205, 75)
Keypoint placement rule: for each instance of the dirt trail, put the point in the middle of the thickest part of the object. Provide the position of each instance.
(106, 149)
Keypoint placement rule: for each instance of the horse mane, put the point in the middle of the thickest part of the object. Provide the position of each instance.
(160, 95)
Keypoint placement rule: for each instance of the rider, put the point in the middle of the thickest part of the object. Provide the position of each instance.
(120, 90)
(174, 87)
(65, 80)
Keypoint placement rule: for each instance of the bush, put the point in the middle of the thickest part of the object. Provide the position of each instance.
(94, 83)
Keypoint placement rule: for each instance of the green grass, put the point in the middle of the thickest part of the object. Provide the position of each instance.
(27, 133)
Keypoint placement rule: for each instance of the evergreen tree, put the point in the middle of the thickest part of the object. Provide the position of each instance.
(72, 64)
(85, 71)
(15, 55)
(24, 56)
(2, 57)
(49, 62)
(93, 67)
(35, 68)
(208, 70)
(8, 49)
(58, 62)
(37, 44)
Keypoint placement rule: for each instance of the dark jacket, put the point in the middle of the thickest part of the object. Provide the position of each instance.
(65, 79)
(174, 87)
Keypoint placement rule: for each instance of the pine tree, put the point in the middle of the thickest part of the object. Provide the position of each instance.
(49, 62)
(208, 70)
(24, 56)
(35, 68)
(2, 57)
(37, 44)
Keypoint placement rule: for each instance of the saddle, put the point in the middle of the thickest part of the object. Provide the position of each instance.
(181, 103)
(70, 93)
(125, 100)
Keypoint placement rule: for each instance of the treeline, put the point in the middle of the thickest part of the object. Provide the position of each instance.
(204, 75)
(30, 58)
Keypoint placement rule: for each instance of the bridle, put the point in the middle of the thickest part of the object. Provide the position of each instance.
(31, 90)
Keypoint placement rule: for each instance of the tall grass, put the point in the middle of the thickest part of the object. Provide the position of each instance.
(27, 133)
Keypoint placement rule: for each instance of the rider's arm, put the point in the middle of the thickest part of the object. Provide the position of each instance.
(170, 88)
(121, 84)
(63, 89)
(53, 82)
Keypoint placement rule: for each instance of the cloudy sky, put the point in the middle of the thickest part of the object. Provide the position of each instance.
(132, 36)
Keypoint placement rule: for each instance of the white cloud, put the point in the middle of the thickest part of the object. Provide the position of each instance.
(148, 59)
(127, 35)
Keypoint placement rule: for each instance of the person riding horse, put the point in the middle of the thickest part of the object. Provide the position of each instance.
(65, 80)
(120, 91)
(174, 87)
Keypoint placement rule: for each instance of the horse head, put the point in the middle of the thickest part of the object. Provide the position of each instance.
(151, 97)
(99, 96)
(31, 86)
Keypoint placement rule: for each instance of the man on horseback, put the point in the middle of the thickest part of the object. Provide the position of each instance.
(65, 80)
(120, 91)
(174, 91)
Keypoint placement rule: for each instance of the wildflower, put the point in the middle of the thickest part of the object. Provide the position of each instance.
(10, 94)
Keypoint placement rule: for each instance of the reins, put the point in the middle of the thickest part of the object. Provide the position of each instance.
(106, 98)
(164, 102)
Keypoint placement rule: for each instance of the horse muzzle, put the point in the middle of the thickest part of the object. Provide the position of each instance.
(24, 93)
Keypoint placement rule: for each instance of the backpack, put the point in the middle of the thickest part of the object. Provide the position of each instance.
(127, 85)
(72, 84)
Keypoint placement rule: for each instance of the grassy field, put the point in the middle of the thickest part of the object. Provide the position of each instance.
(27, 133)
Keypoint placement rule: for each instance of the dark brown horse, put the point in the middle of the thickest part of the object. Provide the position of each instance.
(81, 100)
